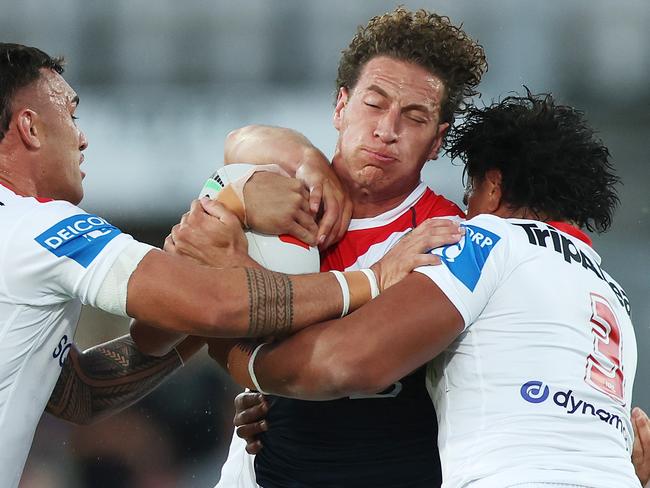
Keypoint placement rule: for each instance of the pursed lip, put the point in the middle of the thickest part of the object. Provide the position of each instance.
(380, 155)
(81, 160)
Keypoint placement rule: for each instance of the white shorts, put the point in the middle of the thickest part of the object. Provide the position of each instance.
(239, 470)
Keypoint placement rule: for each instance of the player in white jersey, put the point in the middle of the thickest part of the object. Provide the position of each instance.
(535, 353)
(54, 256)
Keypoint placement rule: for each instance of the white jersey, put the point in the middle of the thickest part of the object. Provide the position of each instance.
(53, 257)
(538, 386)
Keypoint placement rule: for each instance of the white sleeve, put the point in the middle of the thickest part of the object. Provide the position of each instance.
(472, 269)
(58, 252)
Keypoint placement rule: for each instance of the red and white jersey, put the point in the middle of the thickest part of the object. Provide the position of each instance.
(538, 387)
(368, 240)
(357, 441)
(53, 257)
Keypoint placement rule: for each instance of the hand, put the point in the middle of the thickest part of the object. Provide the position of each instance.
(641, 449)
(250, 419)
(210, 234)
(326, 189)
(277, 205)
(413, 249)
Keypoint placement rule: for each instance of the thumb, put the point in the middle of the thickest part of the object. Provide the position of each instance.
(315, 197)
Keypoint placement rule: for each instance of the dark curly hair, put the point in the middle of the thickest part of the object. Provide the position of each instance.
(423, 38)
(19, 66)
(550, 160)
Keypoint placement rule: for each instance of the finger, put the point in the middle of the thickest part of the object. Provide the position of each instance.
(637, 451)
(174, 233)
(434, 242)
(229, 219)
(315, 198)
(425, 260)
(195, 209)
(643, 427)
(253, 447)
(214, 208)
(307, 222)
(251, 431)
(327, 228)
(185, 217)
(247, 399)
(169, 245)
(251, 415)
(341, 225)
(438, 225)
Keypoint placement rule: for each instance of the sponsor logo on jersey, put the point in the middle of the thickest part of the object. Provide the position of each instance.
(536, 391)
(546, 236)
(466, 259)
(80, 238)
(62, 350)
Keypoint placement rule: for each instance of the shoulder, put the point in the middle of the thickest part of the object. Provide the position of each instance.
(28, 217)
(55, 227)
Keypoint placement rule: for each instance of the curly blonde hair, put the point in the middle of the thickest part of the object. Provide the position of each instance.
(426, 39)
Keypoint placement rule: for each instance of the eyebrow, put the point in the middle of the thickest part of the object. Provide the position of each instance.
(412, 106)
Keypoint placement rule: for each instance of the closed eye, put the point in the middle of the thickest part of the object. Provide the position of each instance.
(418, 120)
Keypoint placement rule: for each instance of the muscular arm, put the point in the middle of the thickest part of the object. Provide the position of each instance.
(262, 144)
(110, 377)
(366, 351)
(171, 293)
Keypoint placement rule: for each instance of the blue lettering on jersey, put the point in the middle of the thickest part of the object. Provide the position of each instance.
(536, 392)
(80, 238)
(465, 259)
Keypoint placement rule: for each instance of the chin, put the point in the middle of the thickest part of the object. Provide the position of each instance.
(75, 196)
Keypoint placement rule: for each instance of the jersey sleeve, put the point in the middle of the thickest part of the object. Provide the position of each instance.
(57, 252)
(472, 269)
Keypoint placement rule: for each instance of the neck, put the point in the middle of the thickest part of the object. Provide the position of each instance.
(372, 197)
(366, 204)
(20, 184)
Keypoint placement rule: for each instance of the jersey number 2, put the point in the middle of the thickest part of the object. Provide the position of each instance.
(604, 368)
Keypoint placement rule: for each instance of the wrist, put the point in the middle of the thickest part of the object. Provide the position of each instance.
(241, 359)
(357, 288)
(376, 269)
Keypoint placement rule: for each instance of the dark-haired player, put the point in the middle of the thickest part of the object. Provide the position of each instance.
(535, 353)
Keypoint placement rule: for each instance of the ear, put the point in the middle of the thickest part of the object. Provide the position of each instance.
(493, 189)
(339, 110)
(437, 142)
(27, 127)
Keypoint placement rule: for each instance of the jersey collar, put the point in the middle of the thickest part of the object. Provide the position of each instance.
(572, 231)
(38, 199)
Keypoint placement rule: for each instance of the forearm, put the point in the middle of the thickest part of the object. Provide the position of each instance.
(154, 341)
(110, 377)
(360, 354)
(173, 294)
(260, 144)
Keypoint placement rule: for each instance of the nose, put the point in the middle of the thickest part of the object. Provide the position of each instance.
(387, 129)
(83, 142)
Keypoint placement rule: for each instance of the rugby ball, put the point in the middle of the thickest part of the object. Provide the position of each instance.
(284, 253)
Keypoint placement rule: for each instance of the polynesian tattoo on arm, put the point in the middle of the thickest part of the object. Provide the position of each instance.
(106, 379)
(270, 298)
